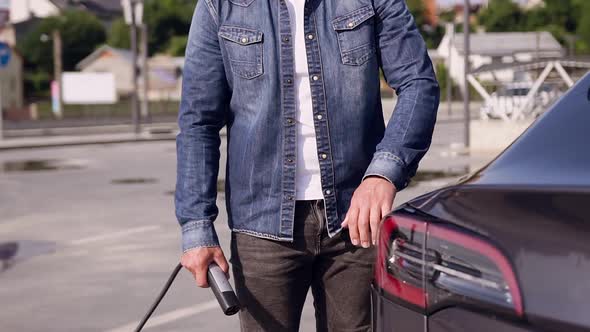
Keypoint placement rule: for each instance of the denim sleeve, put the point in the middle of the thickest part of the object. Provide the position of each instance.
(205, 98)
(408, 70)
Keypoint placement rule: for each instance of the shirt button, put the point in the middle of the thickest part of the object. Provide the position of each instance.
(315, 77)
(290, 197)
(310, 36)
(328, 192)
(289, 81)
(285, 39)
(290, 121)
(244, 40)
(324, 156)
(319, 117)
(351, 24)
(290, 161)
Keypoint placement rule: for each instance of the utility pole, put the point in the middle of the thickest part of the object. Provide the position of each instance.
(134, 94)
(58, 69)
(466, 69)
(1, 111)
(28, 9)
(1, 116)
(145, 72)
(451, 30)
(538, 46)
(571, 40)
(5, 55)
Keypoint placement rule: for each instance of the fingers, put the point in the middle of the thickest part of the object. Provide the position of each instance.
(372, 200)
(375, 221)
(352, 218)
(201, 275)
(197, 262)
(385, 209)
(362, 223)
(222, 262)
(364, 227)
(197, 268)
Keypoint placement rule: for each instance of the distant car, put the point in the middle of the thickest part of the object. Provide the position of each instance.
(506, 249)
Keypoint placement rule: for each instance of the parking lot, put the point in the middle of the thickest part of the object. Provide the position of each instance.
(97, 237)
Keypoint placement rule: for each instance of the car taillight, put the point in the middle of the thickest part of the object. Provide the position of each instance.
(430, 266)
(399, 267)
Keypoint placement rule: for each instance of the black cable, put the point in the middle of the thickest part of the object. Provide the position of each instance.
(159, 298)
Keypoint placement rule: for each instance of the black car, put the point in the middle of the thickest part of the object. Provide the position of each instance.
(505, 249)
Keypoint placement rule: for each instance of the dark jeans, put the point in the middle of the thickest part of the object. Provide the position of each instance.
(272, 278)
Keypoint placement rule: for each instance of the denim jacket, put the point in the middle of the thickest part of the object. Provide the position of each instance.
(239, 73)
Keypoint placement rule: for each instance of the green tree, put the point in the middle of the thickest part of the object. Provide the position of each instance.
(563, 13)
(168, 24)
(564, 19)
(442, 75)
(447, 15)
(536, 18)
(167, 19)
(119, 34)
(502, 15)
(417, 9)
(81, 32)
(583, 30)
(177, 45)
(432, 35)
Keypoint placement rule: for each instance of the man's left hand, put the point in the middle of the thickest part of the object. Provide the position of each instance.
(371, 201)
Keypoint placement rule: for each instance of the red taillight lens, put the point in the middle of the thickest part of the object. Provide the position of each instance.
(399, 266)
(433, 266)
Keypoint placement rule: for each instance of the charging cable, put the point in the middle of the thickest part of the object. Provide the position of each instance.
(219, 285)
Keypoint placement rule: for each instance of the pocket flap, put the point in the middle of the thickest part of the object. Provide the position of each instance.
(242, 36)
(353, 19)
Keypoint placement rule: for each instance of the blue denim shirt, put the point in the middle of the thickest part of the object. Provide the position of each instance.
(239, 73)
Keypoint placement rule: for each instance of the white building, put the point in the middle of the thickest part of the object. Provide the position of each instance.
(164, 79)
(112, 60)
(497, 48)
(22, 10)
(530, 4)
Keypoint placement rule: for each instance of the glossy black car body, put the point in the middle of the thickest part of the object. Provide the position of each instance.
(525, 221)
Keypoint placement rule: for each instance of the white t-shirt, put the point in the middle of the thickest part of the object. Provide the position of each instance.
(308, 177)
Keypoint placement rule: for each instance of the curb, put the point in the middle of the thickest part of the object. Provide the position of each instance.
(46, 142)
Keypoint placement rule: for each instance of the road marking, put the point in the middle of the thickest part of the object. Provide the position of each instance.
(115, 235)
(170, 316)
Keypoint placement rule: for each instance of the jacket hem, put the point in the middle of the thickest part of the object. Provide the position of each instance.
(262, 235)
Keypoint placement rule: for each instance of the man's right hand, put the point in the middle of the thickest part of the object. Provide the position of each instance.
(197, 262)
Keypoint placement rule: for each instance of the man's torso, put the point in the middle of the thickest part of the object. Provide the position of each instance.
(256, 42)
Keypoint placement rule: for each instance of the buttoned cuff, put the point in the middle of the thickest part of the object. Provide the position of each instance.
(389, 167)
(198, 234)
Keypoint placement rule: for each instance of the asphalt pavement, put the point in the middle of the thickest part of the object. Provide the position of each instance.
(97, 236)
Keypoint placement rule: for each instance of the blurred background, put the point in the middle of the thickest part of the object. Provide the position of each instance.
(89, 94)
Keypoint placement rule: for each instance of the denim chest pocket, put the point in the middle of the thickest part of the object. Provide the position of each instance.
(244, 50)
(356, 37)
